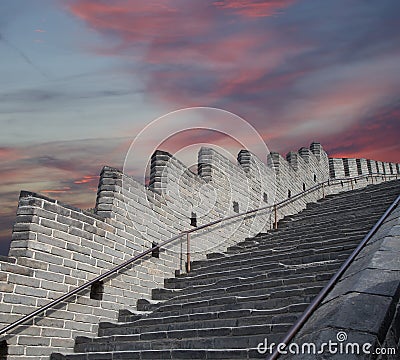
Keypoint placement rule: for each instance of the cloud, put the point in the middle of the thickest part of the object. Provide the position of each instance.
(86, 179)
(50, 95)
(66, 189)
(374, 136)
(9, 154)
(249, 8)
(138, 21)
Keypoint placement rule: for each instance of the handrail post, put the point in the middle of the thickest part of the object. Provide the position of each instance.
(323, 190)
(187, 252)
(352, 186)
(276, 217)
(181, 256)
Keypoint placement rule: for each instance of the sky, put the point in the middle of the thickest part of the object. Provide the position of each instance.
(79, 79)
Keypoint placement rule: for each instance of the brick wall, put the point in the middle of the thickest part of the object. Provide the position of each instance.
(56, 248)
(342, 168)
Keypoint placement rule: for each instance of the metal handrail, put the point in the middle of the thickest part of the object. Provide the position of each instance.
(168, 241)
(324, 292)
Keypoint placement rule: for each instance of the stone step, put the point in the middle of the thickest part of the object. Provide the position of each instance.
(271, 304)
(138, 327)
(125, 315)
(275, 315)
(240, 284)
(370, 189)
(280, 237)
(286, 237)
(361, 200)
(267, 249)
(236, 286)
(222, 303)
(309, 226)
(345, 217)
(220, 337)
(273, 274)
(316, 243)
(307, 220)
(288, 241)
(193, 278)
(318, 222)
(353, 200)
(244, 290)
(166, 353)
(264, 251)
(345, 198)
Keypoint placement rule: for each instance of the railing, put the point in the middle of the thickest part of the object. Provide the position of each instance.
(187, 233)
(335, 278)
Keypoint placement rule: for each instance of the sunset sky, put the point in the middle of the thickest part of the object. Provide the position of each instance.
(80, 78)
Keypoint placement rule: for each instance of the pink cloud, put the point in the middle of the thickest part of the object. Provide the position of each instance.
(141, 21)
(87, 179)
(9, 154)
(178, 46)
(375, 138)
(56, 191)
(251, 8)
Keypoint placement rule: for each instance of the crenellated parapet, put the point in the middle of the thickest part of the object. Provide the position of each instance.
(348, 167)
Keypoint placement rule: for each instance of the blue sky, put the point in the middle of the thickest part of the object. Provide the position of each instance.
(80, 78)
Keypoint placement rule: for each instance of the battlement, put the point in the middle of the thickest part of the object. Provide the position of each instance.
(56, 247)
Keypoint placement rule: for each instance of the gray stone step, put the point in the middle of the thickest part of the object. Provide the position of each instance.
(236, 286)
(292, 251)
(244, 290)
(271, 304)
(280, 243)
(167, 353)
(353, 199)
(304, 221)
(248, 269)
(220, 337)
(300, 247)
(318, 220)
(275, 316)
(287, 236)
(222, 303)
(143, 327)
(273, 274)
(363, 194)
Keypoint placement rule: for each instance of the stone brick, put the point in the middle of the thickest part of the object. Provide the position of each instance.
(52, 225)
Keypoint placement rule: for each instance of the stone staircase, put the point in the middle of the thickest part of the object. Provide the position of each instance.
(257, 289)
